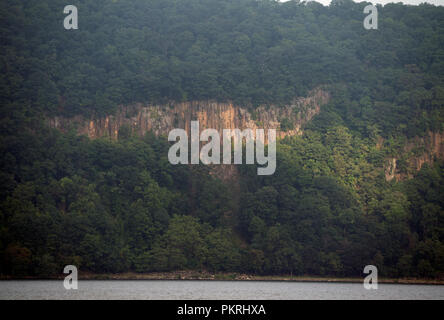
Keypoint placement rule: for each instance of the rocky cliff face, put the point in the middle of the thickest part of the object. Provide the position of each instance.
(160, 119)
(287, 121)
(416, 152)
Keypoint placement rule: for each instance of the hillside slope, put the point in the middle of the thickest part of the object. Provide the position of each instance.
(85, 178)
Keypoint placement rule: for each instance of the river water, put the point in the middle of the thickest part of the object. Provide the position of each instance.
(229, 290)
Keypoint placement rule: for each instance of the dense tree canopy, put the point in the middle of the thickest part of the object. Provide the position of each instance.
(115, 206)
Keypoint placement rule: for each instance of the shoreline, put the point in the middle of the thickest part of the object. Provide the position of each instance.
(206, 276)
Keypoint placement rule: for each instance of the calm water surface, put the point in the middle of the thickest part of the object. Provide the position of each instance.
(230, 290)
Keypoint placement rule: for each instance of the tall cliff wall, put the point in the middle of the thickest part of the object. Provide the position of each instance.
(160, 119)
(287, 120)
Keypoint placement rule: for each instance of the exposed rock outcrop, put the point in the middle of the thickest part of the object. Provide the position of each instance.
(416, 152)
(160, 119)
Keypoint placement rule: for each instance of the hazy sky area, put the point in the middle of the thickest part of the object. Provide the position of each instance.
(415, 2)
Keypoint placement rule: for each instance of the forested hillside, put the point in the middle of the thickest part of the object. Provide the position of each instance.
(117, 206)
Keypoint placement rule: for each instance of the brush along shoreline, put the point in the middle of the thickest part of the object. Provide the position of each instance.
(194, 275)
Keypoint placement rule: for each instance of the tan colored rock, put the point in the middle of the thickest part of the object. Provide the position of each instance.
(431, 147)
(160, 119)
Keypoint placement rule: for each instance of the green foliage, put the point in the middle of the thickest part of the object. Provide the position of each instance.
(286, 124)
(120, 206)
(247, 51)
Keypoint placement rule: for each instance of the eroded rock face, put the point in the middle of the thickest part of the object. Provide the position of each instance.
(390, 169)
(420, 150)
(160, 119)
